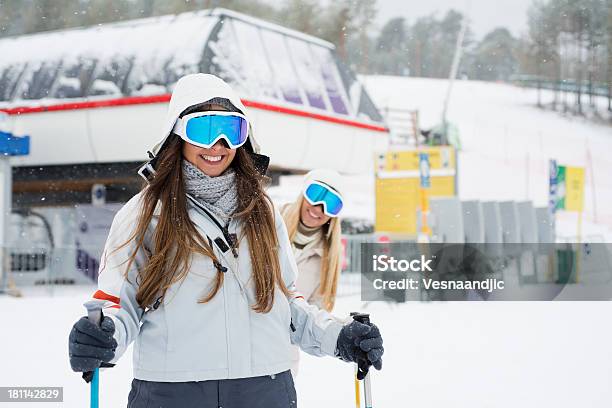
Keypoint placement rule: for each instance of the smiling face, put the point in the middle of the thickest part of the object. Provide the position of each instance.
(312, 215)
(214, 160)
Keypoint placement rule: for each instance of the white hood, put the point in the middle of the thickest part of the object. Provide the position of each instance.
(194, 89)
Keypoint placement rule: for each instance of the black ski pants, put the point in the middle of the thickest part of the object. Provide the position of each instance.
(276, 391)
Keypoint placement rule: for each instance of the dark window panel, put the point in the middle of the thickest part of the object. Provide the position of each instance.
(308, 72)
(74, 79)
(367, 107)
(110, 77)
(41, 80)
(223, 57)
(346, 75)
(329, 73)
(9, 80)
(160, 65)
(257, 69)
(174, 72)
(284, 72)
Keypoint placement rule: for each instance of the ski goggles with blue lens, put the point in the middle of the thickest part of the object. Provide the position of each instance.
(319, 193)
(204, 129)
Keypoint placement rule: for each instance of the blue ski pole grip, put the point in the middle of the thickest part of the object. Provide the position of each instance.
(94, 314)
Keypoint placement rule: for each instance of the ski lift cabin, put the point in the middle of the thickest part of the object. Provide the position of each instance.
(93, 99)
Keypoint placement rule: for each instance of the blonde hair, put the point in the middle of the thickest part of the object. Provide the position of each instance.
(330, 263)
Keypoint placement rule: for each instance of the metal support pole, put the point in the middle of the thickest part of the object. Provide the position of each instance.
(452, 75)
(6, 189)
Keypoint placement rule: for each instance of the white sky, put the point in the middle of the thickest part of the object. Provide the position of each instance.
(485, 15)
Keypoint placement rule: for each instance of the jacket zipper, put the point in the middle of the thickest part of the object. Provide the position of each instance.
(227, 332)
(229, 241)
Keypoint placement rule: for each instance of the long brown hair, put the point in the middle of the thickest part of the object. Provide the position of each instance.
(175, 238)
(332, 245)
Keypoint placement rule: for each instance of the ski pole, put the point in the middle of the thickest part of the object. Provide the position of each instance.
(94, 314)
(363, 366)
(357, 393)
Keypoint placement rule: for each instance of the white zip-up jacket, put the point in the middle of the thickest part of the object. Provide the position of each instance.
(183, 340)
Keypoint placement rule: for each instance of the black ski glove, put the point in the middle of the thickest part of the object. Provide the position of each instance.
(359, 341)
(91, 346)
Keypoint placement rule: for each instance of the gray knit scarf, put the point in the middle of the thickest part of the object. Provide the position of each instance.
(217, 194)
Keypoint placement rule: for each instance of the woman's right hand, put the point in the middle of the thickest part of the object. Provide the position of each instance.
(89, 345)
(359, 341)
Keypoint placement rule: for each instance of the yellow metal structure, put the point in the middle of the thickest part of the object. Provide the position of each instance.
(398, 192)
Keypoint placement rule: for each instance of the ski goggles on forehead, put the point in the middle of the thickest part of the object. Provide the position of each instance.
(318, 193)
(204, 129)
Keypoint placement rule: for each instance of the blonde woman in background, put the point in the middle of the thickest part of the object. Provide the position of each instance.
(313, 227)
(314, 231)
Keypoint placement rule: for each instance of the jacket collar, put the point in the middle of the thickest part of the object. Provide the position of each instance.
(307, 252)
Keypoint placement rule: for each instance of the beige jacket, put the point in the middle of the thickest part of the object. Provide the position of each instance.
(309, 269)
(309, 272)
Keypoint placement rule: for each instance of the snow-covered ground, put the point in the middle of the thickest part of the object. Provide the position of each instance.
(437, 355)
(506, 146)
(507, 142)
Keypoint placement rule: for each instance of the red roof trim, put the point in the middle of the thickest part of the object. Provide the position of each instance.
(104, 103)
(327, 118)
(141, 100)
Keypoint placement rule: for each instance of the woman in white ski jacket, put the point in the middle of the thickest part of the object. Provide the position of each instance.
(198, 271)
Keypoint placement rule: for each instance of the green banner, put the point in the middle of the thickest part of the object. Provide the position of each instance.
(561, 189)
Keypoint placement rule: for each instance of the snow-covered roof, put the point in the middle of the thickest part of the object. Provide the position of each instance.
(262, 61)
(270, 26)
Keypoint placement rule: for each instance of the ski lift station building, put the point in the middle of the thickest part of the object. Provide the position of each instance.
(93, 99)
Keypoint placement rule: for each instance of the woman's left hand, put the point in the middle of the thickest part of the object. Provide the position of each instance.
(358, 341)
